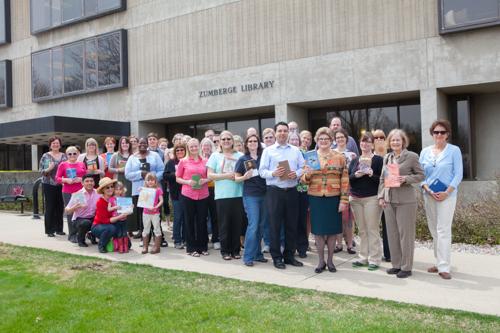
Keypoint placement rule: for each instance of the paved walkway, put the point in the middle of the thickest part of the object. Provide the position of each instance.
(475, 285)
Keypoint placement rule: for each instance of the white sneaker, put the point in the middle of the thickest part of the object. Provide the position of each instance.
(265, 249)
(217, 246)
(141, 244)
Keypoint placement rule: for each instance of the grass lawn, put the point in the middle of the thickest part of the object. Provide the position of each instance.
(44, 291)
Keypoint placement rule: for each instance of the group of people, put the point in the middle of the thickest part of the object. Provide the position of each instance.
(261, 195)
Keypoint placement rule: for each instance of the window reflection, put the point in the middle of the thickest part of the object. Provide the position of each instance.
(108, 5)
(40, 14)
(461, 132)
(409, 117)
(217, 127)
(56, 12)
(384, 118)
(90, 7)
(73, 67)
(3, 22)
(109, 60)
(40, 75)
(461, 12)
(91, 64)
(71, 9)
(240, 127)
(57, 71)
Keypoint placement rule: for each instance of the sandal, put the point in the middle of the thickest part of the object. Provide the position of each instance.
(236, 256)
(195, 254)
(226, 257)
(205, 253)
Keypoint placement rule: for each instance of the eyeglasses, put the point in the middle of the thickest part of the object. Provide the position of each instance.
(268, 137)
(71, 154)
(252, 141)
(324, 139)
(379, 137)
(178, 150)
(367, 141)
(340, 138)
(216, 141)
(226, 139)
(439, 132)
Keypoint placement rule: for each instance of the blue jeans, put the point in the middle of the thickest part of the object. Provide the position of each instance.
(257, 217)
(121, 229)
(104, 232)
(178, 232)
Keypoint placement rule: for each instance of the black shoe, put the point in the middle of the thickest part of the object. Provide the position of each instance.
(403, 274)
(393, 271)
(83, 244)
(351, 251)
(261, 260)
(164, 243)
(73, 239)
(332, 268)
(293, 262)
(102, 250)
(279, 264)
(337, 250)
(386, 259)
(249, 264)
(302, 255)
(90, 236)
(51, 235)
(60, 233)
(318, 270)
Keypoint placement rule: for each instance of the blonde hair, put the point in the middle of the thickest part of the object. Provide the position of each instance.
(205, 141)
(321, 131)
(267, 131)
(151, 176)
(402, 134)
(188, 153)
(120, 185)
(72, 148)
(232, 137)
(90, 141)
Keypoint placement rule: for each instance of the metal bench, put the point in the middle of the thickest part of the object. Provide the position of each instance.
(15, 194)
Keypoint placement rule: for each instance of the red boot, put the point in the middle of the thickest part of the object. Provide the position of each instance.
(125, 244)
(121, 248)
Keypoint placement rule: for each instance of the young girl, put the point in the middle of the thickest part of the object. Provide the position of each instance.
(121, 239)
(152, 215)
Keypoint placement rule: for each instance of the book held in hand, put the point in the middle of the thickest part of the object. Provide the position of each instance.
(285, 165)
(365, 165)
(146, 197)
(196, 179)
(92, 166)
(71, 173)
(78, 198)
(228, 165)
(125, 205)
(251, 165)
(438, 186)
(312, 160)
(392, 175)
(145, 166)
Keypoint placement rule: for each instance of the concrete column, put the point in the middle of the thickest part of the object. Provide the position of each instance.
(134, 127)
(433, 105)
(288, 113)
(34, 158)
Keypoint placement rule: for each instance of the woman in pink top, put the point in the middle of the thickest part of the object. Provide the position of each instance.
(69, 174)
(192, 175)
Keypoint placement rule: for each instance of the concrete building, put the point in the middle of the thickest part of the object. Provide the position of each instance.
(186, 66)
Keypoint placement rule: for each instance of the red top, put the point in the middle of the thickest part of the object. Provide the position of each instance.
(188, 167)
(62, 172)
(150, 211)
(102, 215)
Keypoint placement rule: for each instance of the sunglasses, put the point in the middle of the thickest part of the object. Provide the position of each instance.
(379, 137)
(71, 154)
(109, 187)
(439, 132)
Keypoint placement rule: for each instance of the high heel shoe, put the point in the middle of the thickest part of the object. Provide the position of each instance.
(332, 268)
(318, 270)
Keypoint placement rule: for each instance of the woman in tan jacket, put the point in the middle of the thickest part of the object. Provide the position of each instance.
(398, 197)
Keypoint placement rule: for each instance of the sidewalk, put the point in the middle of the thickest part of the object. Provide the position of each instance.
(475, 285)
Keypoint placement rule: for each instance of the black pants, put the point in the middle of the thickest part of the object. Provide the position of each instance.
(385, 240)
(54, 208)
(82, 226)
(283, 207)
(302, 241)
(212, 210)
(69, 218)
(140, 225)
(195, 221)
(230, 213)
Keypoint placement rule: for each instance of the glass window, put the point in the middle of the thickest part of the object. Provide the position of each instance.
(40, 14)
(239, 127)
(109, 60)
(384, 118)
(91, 64)
(409, 121)
(73, 67)
(461, 132)
(217, 127)
(3, 84)
(50, 14)
(463, 13)
(4, 21)
(90, 7)
(105, 5)
(57, 71)
(41, 74)
(353, 121)
(266, 123)
(71, 10)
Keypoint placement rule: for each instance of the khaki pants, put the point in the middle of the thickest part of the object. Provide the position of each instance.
(149, 219)
(400, 220)
(439, 218)
(367, 214)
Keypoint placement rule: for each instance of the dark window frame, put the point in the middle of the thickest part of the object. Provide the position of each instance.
(8, 85)
(83, 18)
(6, 23)
(123, 68)
(465, 26)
